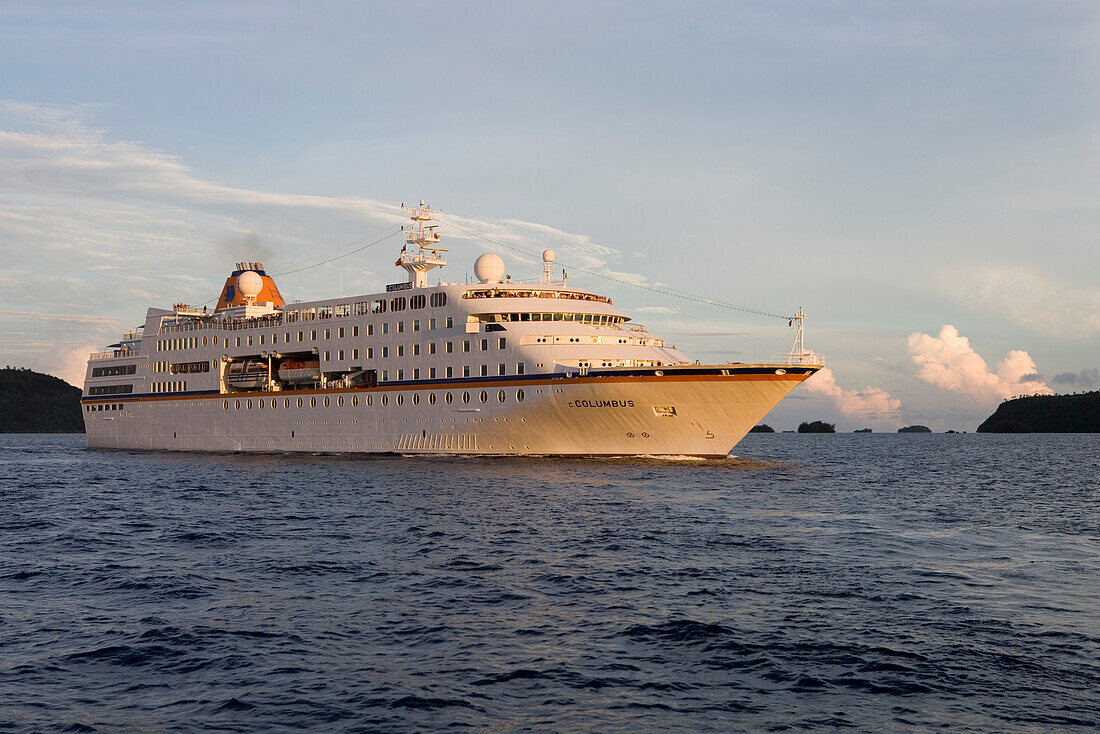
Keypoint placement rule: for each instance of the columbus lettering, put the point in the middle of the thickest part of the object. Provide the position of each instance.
(601, 404)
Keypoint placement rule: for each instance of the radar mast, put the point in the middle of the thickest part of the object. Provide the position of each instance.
(423, 237)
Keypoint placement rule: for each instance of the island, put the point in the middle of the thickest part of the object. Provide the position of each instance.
(1078, 413)
(816, 427)
(915, 429)
(862, 430)
(762, 428)
(31, 402)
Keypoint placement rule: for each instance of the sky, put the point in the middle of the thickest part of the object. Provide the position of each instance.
(923, 178)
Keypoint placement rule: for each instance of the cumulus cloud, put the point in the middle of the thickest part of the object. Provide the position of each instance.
(1084, 378)
(1028, 299)
(871, 404)
(949, 362)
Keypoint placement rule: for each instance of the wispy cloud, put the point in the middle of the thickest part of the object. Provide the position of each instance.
(870, 405)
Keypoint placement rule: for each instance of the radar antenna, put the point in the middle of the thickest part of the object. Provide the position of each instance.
(423, 237)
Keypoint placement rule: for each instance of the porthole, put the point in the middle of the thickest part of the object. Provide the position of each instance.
(416, 398)
(431, 398)
(370, 400)
(248, 404)
(261, 403)
(324, 401)
(385, 399)
(519, 396)
(313, 402)
(500, 396)
(274, 403)
(340, 401)
(781, 372)
(225, 405)
(484, 396)
(465, 397)
(204, 341)
(236, 405)
(354, 401)
(400, 399)
(286, 402)
(214, 340)
(299, 402)
(448, 398)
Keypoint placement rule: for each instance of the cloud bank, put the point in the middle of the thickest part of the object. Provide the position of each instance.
(871, 404)
(949, 362)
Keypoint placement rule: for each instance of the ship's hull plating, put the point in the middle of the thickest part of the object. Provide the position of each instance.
(701, 412)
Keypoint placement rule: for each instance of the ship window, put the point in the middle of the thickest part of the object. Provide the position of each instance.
(397, 304)
(465, 370)
(400, 327)
(340, 333)
(370, 352)
(500, 396)
(465, 397)
(400, 399)
(431, 398)
(325, 401)
(238, 341)
(324, 312)
(450, 322)
(326, 355)
(261, 403)
(448, 398)
(385, 399)
(328, 333)
(214, 340)
(313, 402)
(400, 350)
(519, 396)
(248, 404)
(249, 341)
(354, 331)
(313, 335)
(466, 345)
(484, 396)
(299, 336)
(484, 370)
(431, 347)
(385, 373)
(519, 368)
(431, 373)
(355, 354)
(438, 300)
(299, 402)
(370, 329)
(416, 323)
(400, 374)
(225, 405)
(450, 347)
(286, 402)
(362, 308)
(450, 372)
(385, 352)
(204, 341)
(484, 344)
(378, 306)
(340, 354)
(431, 324)
(236, 405)
(274, 403)
(416, 373)
(501, 369)
(502, 343)
(342, 309)
(370, 400)
(291, 316)
(416, 350)
(261, 339)
(416, 398)
(417, 302)
(385, 327)
(340, 401)
(355, 401)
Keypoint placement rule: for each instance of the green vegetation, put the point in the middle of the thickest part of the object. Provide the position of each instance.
(862, 430)
(31, 402)
(762, 428)
(816, 427)
(1046, 414)
(915, 429)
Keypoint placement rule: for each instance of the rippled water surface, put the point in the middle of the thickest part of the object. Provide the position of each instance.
(880, 582)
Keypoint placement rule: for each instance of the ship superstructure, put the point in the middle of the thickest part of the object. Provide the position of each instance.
(493, 367)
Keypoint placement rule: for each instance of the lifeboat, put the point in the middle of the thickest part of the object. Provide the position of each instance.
(299, 372)
(249, 374)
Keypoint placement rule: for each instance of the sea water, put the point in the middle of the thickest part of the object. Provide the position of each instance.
(877, 582)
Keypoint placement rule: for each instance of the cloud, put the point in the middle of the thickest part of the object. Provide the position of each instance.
(949, 362)
(871, 404)
(1028, 299)
(1084, 378)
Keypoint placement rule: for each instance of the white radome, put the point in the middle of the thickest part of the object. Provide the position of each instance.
(489, 268)
(249, 283)
(548, 256)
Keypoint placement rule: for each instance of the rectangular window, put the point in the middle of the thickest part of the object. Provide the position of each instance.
(431, 373)
(385, 375)
(299, 336)
(385, 352)
(450, 372)
(370, 329)
(484, 344)
(450, 347)
(450, 322)
(484, 370)
(328, 333)
(354, 331)
(249, 341)
(502, 343)
(340, 333)
(519, 368)
(370, 352)
(416, 324)
(416, 350)
(401, 374)
(501, 370)
(386, 327)
(286, 337)
(238, 341)
(313, 335)
(465, 370)
(400, 327)
(466, 345)
(340, 355)
(431, 324)
(416, 373)
(342, 309)
(431, 348)
(355, 354)
(261, 338)
(326, 356)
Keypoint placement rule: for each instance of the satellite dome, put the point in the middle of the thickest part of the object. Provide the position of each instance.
(548, 256)
(489, 268)
(249, 284)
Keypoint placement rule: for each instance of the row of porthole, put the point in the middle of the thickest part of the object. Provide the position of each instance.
(368, 400)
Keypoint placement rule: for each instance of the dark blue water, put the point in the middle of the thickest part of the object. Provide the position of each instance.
(882, 582)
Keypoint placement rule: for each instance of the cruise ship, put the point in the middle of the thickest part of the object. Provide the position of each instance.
(497, 366)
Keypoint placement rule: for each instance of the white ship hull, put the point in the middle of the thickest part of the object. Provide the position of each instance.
(698, 411)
